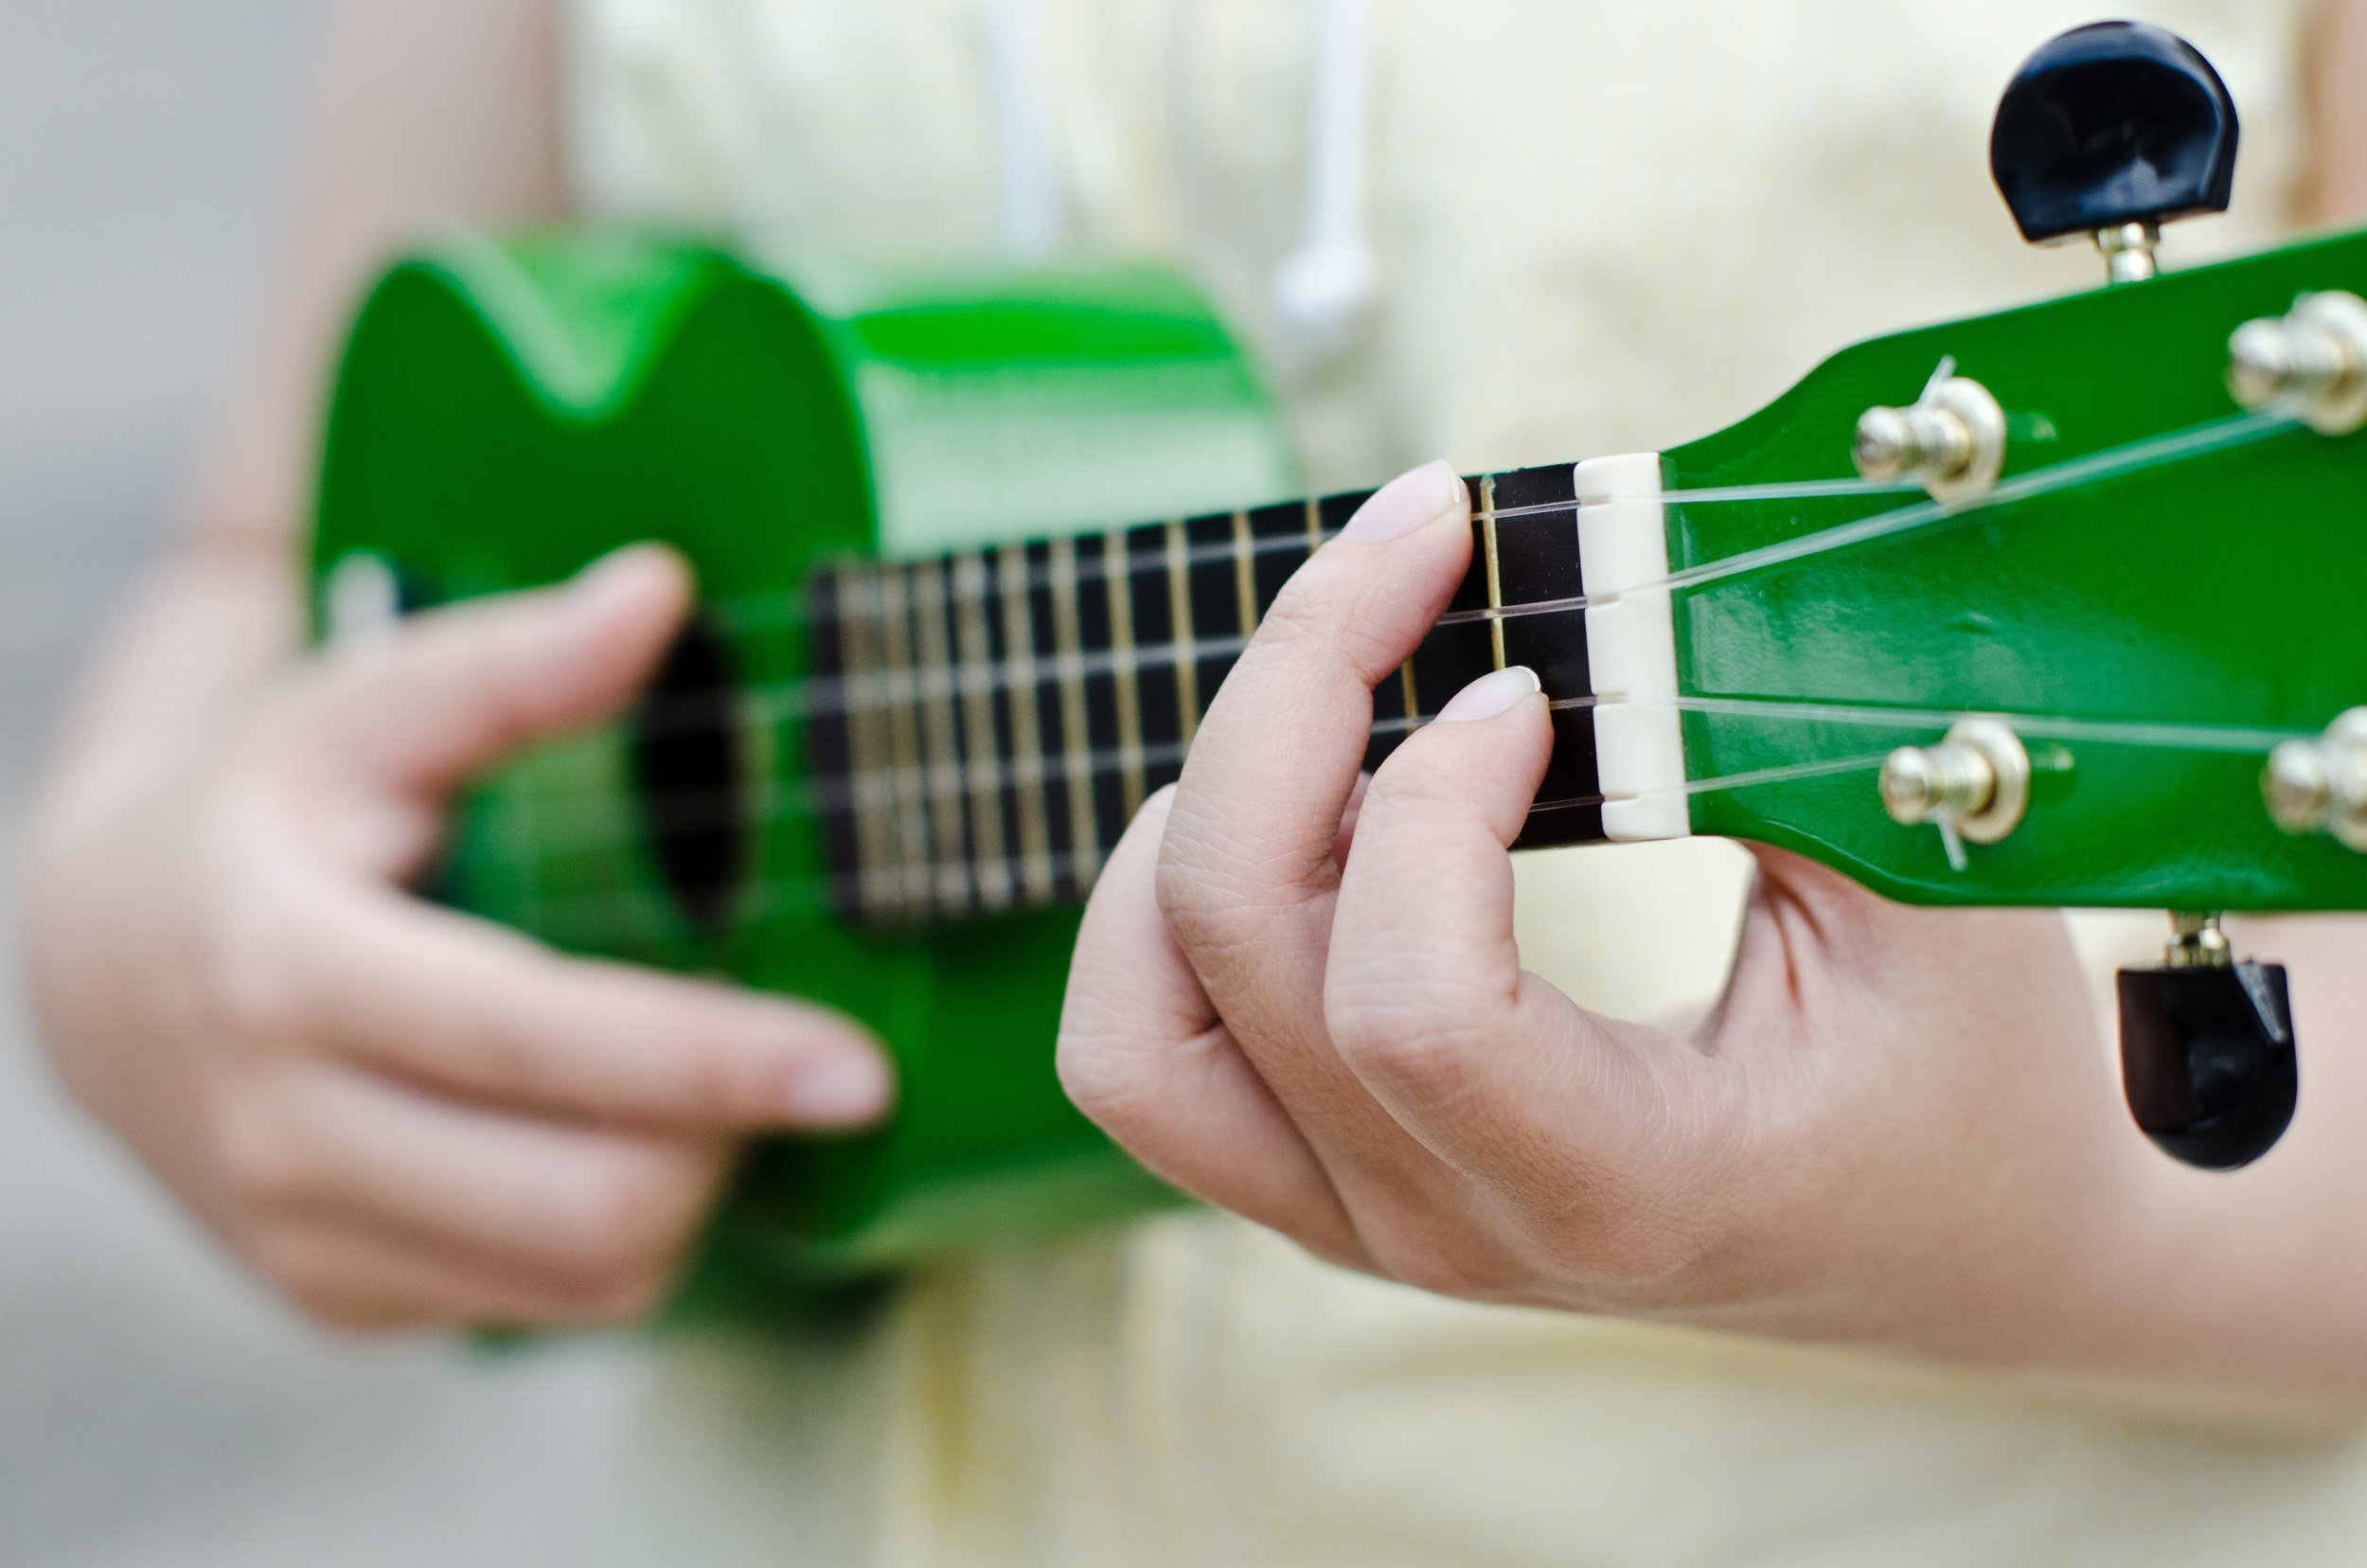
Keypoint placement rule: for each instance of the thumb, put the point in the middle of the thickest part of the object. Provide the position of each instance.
(458, 688)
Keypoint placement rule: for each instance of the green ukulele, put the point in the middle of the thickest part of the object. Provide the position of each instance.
(2092, 582)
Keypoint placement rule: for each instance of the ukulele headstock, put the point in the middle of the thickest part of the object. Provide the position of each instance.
(2085, 634)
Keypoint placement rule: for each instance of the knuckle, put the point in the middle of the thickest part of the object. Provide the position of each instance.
(1304, 613)
(327, 1289)
(1188, 895)
(493, 652)
(265, 1162)
(1112, 1080)
(502, 1057)
(1614, 1232)
(253, 994)
(626, 1227)
(288, 1262)
(334, 1309)
(1218, 898)
(1329, 611)
(719, 1077)
(1628, 1252)
(623, 1302)
(1441, 1260)
(1444, 1275)
(1090, 1070)
(1415, 780)
(1404, 1034)
(619, 1293)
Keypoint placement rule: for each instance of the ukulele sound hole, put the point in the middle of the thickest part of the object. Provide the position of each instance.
(688, 774)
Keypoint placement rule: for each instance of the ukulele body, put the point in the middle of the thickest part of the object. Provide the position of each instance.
(507, 412)
(2166, 574)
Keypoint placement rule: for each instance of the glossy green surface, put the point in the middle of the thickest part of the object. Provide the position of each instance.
(507, 412)
(2220, 590)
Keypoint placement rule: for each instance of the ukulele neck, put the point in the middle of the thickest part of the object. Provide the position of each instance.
(1002, 713)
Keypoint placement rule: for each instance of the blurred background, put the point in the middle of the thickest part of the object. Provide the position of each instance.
(155, 1408)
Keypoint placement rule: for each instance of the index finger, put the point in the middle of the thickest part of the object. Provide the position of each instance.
(1247, 866)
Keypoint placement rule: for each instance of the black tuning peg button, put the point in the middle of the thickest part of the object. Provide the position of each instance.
(2112, 130)
(2207, 1057)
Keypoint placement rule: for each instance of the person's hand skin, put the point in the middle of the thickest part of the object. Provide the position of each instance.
(402, 1114)
(1298, 997)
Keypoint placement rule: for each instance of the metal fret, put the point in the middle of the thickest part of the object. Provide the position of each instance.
(903, 726)
(1076, 740)
(1412, 702)
(991, 860)
(1186, 661)
(1118, 584)
(1495, 565)
(1244, 574)
(878, 874)
(1019, 652)
(949, 849)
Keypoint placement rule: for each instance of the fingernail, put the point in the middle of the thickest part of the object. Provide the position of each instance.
(843, 1088)
(1498, 691)
(619, 573)
(1406, 503)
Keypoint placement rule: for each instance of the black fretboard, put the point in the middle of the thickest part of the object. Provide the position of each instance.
(993, 718)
